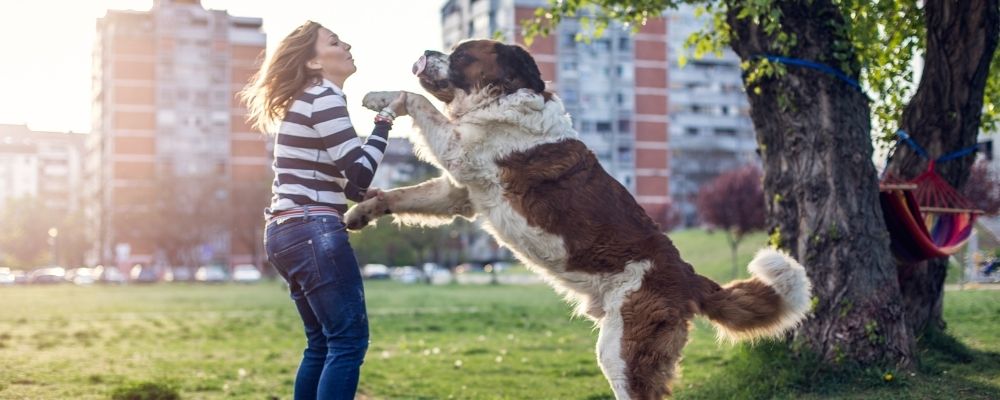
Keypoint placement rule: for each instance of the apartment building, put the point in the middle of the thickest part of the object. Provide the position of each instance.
(165, 114)
(46, 166)
(709, 115)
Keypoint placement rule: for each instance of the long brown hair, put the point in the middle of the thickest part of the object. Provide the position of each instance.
(283, 77)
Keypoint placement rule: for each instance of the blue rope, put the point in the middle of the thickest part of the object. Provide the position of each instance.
(814, 65)
(916, 147)
(958, 154)
(923, 153)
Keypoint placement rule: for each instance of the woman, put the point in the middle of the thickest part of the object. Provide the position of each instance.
(319, 164)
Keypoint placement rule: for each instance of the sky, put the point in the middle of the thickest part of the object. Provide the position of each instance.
(45, 49)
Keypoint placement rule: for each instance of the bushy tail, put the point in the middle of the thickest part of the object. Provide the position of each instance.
(775, 299)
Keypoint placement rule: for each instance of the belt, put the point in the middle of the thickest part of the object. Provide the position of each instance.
(302, 212)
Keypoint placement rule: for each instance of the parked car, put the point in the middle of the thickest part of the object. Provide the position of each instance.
(109, 275)
(440, 276)
(20, 277)
(246, 273)
(47, 275)
(468, 267)
(179, 273)
(142, 273)
(6, 277)
(375, 271)
(407, 274)
(210, 273)
(500, 266)
(81, 276)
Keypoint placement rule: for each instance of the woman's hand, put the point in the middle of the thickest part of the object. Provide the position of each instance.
(398, 105)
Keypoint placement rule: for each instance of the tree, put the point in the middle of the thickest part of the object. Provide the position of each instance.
(25, 240)
(245, 217)
(190, 213)
(814, 130)
(944, 115)
(24, 237)
(734, 202)
(983, 188)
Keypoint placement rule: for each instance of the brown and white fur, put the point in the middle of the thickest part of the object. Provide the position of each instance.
(511, 160)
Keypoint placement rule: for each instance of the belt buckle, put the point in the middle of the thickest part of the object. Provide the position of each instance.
(280, 220)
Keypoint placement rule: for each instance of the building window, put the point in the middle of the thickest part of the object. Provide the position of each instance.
(624, 125)
(725, 131)
(569, 95)
(569, 40)
(624, 43)
(691, 131)
(986, 149)
(603, 126)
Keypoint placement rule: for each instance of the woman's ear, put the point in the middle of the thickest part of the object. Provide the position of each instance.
(314, 65)
(519, 68)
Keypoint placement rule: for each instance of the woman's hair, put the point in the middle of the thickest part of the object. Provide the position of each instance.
(283, 77)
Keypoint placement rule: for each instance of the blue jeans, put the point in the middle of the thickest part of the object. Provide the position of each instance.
(312, 254)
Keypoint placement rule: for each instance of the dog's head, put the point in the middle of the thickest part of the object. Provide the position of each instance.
(478, 65)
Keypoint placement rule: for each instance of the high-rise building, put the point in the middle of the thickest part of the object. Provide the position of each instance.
(614, 87)
(45, 166)
(710, 127)
(165, 114)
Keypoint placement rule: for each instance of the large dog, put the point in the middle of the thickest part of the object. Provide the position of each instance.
(511, 159)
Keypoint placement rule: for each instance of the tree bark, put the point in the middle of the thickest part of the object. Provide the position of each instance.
(734, 242)
(944, 116)
(821, 189)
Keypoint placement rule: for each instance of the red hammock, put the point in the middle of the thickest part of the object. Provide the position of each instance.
(926, 217)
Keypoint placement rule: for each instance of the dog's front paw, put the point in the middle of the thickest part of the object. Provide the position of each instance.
(364, 213)
(376, 101)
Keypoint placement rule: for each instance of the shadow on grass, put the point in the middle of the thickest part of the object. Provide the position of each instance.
(947, 370)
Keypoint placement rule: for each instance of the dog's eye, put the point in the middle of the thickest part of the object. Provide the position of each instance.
(461, 59)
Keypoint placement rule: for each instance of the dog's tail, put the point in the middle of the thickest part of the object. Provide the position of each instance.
(775, 299)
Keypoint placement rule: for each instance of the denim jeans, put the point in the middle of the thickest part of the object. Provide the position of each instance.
(312, 254)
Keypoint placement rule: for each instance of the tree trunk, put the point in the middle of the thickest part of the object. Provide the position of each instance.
(822, 189)
(943, 116)
(734, 242)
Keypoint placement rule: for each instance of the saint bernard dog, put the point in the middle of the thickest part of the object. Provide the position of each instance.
(511, 160)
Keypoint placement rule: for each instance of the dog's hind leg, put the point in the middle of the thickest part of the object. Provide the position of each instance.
(654, 333)
(432, 202)
(609, 354)
(639, 367)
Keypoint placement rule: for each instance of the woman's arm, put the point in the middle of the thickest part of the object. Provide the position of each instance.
(356, 160)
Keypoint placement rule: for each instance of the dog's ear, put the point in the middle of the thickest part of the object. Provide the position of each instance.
(519, 69)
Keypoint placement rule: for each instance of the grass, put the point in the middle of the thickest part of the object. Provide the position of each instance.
(463, 342)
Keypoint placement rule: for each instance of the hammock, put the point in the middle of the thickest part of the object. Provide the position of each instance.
(926, 217)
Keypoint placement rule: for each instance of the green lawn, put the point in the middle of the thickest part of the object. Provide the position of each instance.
(463, 342)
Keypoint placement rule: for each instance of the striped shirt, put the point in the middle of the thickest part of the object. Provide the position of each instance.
(318, 157)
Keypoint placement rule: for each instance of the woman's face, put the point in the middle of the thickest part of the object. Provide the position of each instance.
(333, 57)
